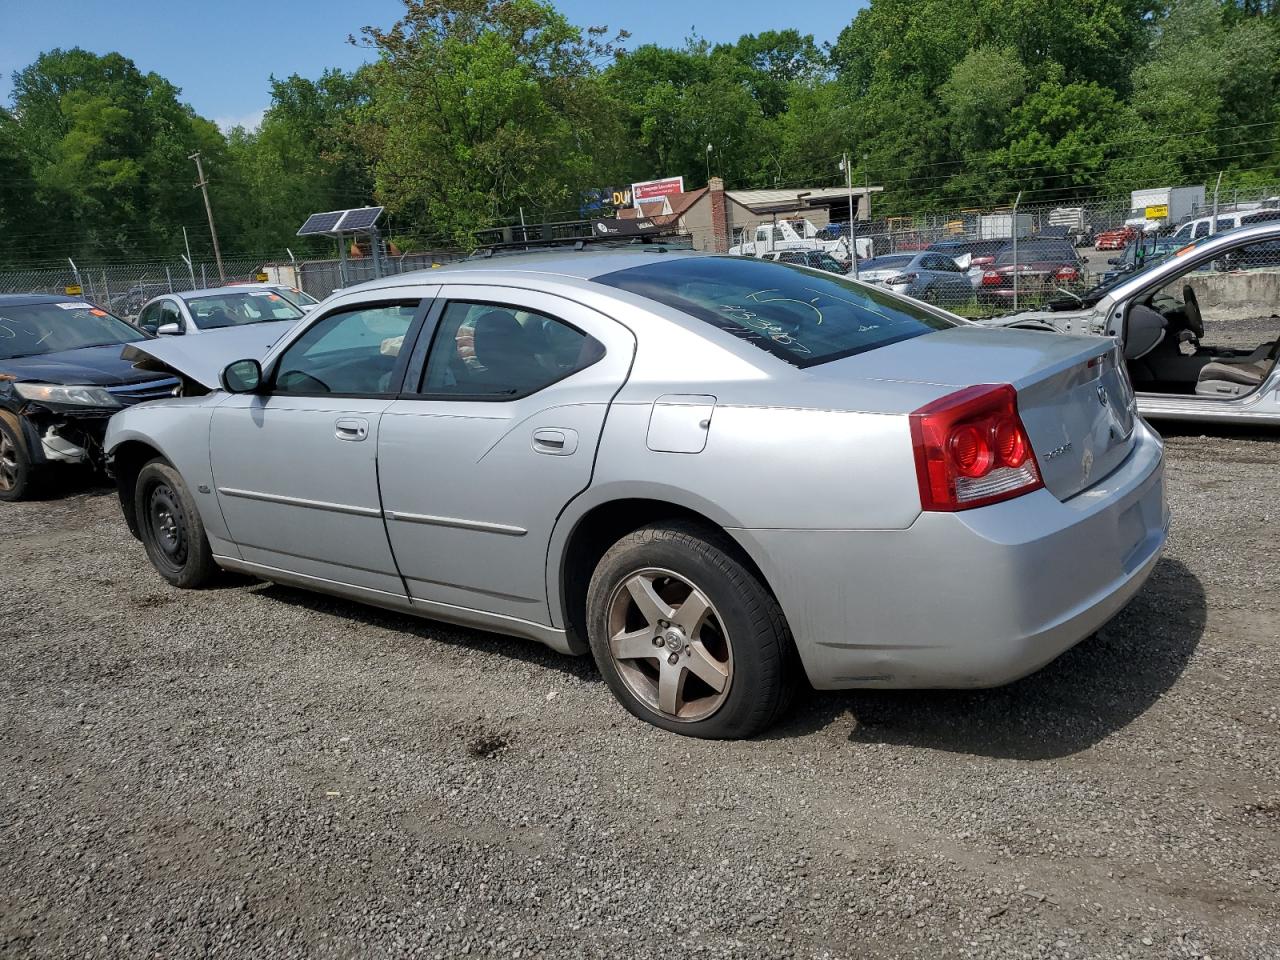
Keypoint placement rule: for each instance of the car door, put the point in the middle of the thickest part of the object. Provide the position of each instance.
(296, 465)
(498, 435)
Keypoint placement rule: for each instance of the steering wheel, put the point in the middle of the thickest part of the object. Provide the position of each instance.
(1191, 306)
(296, 380)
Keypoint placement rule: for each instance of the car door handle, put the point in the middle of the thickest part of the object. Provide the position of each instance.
(351, 428)
(555, 441)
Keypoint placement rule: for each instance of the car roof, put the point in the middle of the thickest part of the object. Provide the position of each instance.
(586, 264)
(24, 299)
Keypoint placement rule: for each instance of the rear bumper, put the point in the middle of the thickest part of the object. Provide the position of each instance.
(971, 599)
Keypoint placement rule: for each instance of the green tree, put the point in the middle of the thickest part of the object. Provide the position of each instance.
(479, 107)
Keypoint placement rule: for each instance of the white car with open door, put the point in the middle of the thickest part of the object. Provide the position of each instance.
(1181, 319)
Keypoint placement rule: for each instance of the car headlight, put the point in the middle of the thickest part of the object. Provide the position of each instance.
(85, 396)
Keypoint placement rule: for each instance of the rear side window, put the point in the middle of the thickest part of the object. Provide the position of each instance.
(487, 351)
(801, 317)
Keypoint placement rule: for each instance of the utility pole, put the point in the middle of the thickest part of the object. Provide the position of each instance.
(203, 185)
(848, 179)
(1213, 224)
(1016, 265)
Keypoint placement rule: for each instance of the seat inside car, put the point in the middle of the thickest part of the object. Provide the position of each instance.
(1235, 378)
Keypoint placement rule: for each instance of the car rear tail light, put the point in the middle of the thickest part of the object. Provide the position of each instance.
(992, 278)
(972, 450)
(1067, 275)
(900, 279)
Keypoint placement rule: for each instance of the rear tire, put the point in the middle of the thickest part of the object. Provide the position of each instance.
(726, 666)
(16, 469)
(171, 529)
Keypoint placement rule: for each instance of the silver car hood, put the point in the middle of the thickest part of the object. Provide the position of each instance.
(202, 358)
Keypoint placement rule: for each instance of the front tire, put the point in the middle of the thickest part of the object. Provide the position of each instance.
(172, 531)
(686, 635)
(16, 469)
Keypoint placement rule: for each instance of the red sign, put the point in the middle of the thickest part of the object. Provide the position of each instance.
(656, 189)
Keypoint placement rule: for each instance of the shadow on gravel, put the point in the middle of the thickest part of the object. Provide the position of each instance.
(1218, 431)
(434, 631)
(1090, 692)
(65, 482)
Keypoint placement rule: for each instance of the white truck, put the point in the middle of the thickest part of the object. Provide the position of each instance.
(1154, 209)
(797, 233)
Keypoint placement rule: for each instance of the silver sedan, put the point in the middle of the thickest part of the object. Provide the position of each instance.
(720, 476)
(928, 276)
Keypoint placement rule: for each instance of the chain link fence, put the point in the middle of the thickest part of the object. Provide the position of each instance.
(123, 288)
(975, 261)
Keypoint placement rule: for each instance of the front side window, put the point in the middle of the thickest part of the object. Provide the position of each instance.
(801, 317)
(149, 319)
(349, 352)
(218, 310)
(1202, 229)
(492, 351)
(35, 329)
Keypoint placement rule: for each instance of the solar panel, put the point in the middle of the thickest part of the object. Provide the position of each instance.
(361, 218)
(321, 223)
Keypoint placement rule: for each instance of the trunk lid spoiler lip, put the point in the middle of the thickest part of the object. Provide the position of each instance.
(202, 357)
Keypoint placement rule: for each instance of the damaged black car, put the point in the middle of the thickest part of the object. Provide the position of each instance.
(61, 379)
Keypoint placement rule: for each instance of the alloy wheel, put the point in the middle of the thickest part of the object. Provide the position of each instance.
(669, 645)
(8, 462)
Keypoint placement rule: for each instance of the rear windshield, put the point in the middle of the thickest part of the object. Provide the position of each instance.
(35, 329)
(235, 309)
(1058, 252)
(802, 317)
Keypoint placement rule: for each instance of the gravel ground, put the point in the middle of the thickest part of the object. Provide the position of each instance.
(254, 771)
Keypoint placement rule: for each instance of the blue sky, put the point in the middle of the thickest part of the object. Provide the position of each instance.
(221, 52)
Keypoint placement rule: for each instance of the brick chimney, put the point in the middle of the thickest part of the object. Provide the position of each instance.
(719, 216)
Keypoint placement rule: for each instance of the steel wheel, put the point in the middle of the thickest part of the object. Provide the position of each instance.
(669, 645)
(166, 524)
(9, 466)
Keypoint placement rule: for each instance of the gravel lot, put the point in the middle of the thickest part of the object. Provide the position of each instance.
(255, 771)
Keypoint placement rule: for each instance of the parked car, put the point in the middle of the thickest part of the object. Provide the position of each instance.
(814, 259)
(197, 311)
(972, 256)
(717, 474)
(1145, 249)
(1204, 226)
(927, 276)
(1117, 238)
(1156, 313)
(1041, 267)
(61, 379)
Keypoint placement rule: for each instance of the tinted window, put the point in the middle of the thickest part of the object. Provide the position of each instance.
(1202, 229)
(799, 316)
(1031, 250)
(149, 319)
(354, 351)
(488, 351)
(1262, 216)
(34, 329)
(236, 309)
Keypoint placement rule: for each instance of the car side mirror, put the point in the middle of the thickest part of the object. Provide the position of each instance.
(243, 376)
(169, 330)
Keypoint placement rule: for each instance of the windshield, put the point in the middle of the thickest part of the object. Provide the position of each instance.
(799, 316)
(237, 309)
(35, 329)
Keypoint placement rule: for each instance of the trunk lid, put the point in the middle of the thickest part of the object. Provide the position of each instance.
(1074, 396)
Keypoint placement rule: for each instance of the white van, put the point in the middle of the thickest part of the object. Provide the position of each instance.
(1199, 227)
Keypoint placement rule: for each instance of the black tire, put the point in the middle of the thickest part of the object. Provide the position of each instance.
(764, 666)
(171, 529)
(17, 472)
